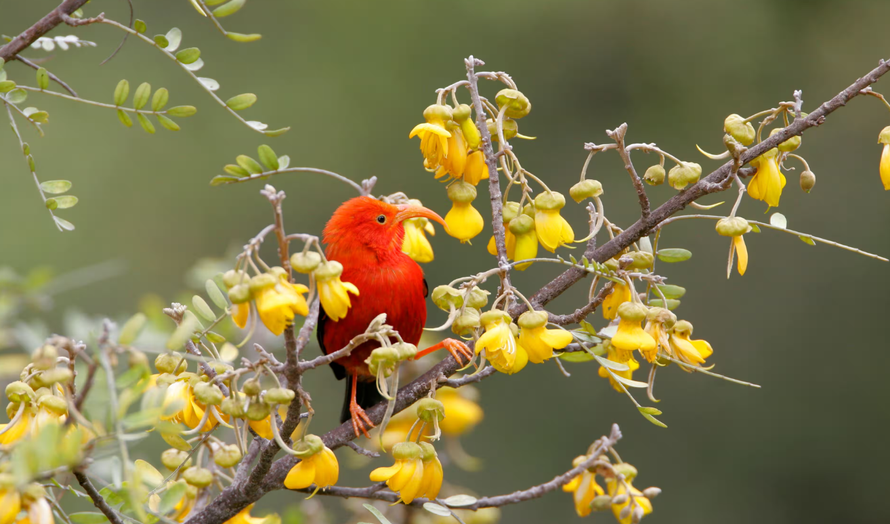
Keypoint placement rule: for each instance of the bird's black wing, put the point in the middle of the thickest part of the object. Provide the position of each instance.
(339, 371)
(426, 289)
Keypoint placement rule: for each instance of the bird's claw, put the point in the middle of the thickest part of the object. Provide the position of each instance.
(458, 349)
(360, 421)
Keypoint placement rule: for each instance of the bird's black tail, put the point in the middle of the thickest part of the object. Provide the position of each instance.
(366, 395)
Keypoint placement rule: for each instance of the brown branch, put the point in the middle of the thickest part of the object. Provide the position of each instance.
(468, 379)
(43, 26)
(580, 313)
(97, 499)
(618, 136)
(87, 385)
(77, 22)
(51, 76)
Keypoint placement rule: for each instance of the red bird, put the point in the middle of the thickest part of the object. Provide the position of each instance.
(366, 235)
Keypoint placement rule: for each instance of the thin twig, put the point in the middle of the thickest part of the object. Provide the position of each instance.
(97, 499)
(40, 28)
(618, 136)
(51, 76)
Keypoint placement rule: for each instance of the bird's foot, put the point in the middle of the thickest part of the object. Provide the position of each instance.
(458, 349)
(360, 421)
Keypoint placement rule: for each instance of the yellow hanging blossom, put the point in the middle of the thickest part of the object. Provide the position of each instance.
(539, 341)
(455, 161)
(641, 505)
(620, 294)
(38, 511)
(38, 410)
(416, 245)
(433, 135)
(318, 466)
(332, 292)
(522, 228)
(183, 507)
(632, 365)
(692, 352)
(735, 227)
(431, 482)
(768, 181)
(583, 488)
(405, 476)
(10, 504)
(500, 344)
(553, 230)
(510, 211)
(659, 321)
(243, 517)
(277, 300)
(884, 138)
(238, 286)
(240, 314)
(191, 411)
(630, 335)
(464, 221)
(476, 169)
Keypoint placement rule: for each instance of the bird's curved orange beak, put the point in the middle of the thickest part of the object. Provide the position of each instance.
(406, 211)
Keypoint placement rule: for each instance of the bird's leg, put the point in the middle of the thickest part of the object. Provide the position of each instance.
(360, 421)
(457, 349)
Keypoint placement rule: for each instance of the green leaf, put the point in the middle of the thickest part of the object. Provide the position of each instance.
(64, 224)
(159, 100)
(41, 117)
(460, 500)
(653, 420)
(216, 338)
(229, 8)
(237, 171)
(251, 165)
(283, 162)
(670, 291)
(149, 474)
(131, 376)
(182, 332)
(212, 3)
(42, 78)
(188, 55)
(238, 37)
(17, 96)
(161, 40)
(209, 83)
(219, 180)
(276, 132)
(124, 118)
(215, 294)
(174, 38)
(87, 517)
(242, 101)
(754, 227)
(651, 411)
(145, 123)
(778, 220)
(51, 204)
(182, 111)
(671, 305)
(55, 187)
(614, 366)
(26, 149)
(140, 98)
(131, 329)
(167, 123)
(630, 383)
(807, 240)
(374, 511)
(62, 202)
(267, 157)
(575, 356)
(139, 26)
(7, 86)
(674, 254)
(437, 509)
(202, 308)
(171, 497)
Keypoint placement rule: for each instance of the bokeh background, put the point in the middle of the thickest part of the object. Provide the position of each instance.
(352, 78)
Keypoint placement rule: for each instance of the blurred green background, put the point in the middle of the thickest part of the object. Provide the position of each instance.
(352, 78)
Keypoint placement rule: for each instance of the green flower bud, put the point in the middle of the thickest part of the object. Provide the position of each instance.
(305, 262)
(652, 492)
(654, 176)
(328, 270)
(444, 297)
(521, 225)
(261, 282)
(511, 211)
(807, 181)
(627, 470)
(383, 359)
(427, 408)
(662, 316)
(684, 174)
(257, 411)
(406, 351)
(136, 358)
(549, 201)
(789, 145)
(279, 396)
(54, 376)
(251, 387)
(227, 457)
(683, 327)
(54, 404)
(437, 112)
(641, 259)
(478, 298)
(232, 278)
(466, 322)
(208, 394)
(601, 503)
(884, 137)
(612, 264)
(406, 451)
(516, 103)
(278, 272)
(742, 131)
(732, 226)
(533, 319)
(632, 311)
(45, 357)
(220, 367)
(232, 407)
(165, 379)
(427, 451)
(529, 209)
(240, 293)
(308, 446)
(586, 189)
(170, 363)
(494, 315)
(511, 129)
(198, 477)
(173, 458)
(462, 192)
(19, 391)
(461, 113)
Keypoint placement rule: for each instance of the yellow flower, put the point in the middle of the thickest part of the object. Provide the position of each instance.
(509, 241)
(332, 292)
(263, 427)
(183, 507)
(10, 504)
(632, 365)
(885, 167)
(277, 304)
(476, 169)
(433, 135)
(319, 466)
(584, 488)
(243, 517)
(768, 181)
(18, 430)
(630, 334)
(456, 157)
(538, 341)
(693, 352)
(500, 344)
(431, 482)
(240, 314)
(464, 221)
(553, 230)
(659, 319)
(526, 244)
(735, 227)
(416, 244)
(620, 294)
(39, 512)
(641, 505)
(461, 413)
(738, 244)
(191, 412)
(405, 476)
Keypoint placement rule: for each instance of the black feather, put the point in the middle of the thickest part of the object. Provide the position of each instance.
(366, 395)
(339, 371)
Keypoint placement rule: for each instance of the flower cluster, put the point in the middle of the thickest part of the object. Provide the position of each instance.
(628, 504)
(30, 501)
(416, 473)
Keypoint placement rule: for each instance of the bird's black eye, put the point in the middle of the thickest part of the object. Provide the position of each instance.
(381, 219)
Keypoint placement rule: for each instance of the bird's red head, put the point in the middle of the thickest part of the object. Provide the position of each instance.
(371, 225)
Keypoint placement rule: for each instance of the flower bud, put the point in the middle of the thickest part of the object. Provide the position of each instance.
(165, 379)
(742, 131)
(807, 181)
(305, 262)
(516, 103)
(684, 174)
(54, 376)
(137, 358)
(586, 189)
(732, 145)
(529, 209)
(45, 357)
(261, 282)
(511, 129)
(33, 492)
(466, 322)
(620, 499)
(240, 293)
(683, 327)
(511, 211)
(427, 408)
(383, 359)
(308, 446)
(641, 259)
(257, 411)
(227, 457)
(251, 387)
(279, 396)
(662, 316)
(612, 264)
(198, 477)
(444, 297)
(637, 515)
(406, 451)
(328, 270)
(627, 470)
(437, 112)
(173, 458)
(732, 226)
(533, 319)
(632, 311)
(521, 225)
(651, 493)
(170, 363)
(232, 407)
(19, 391)
(550, 200)
(494, 315)
(405, 350)
(789, 145)
(461, 192)
(884, 137)
(427, 451)
(654, 176)
(461, 113)
(54, 404)
(208, 394)
(478, 298)
(232, 278)
(625, 513)
(601, 503)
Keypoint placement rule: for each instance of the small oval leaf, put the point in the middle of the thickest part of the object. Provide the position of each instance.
(252, 166)
(124, 118)
(674, 255)
(64, 224)
(807, 240)
(167, 123)
(238, 37)
(145, 123)
(219, 180)
(229, 8)
(42, 78)
(670, 291)
(283, 162)
(188, 55)
(267, 157)
(174, 38)
(182, 111)
(778, 220)
(209, 83)
(131, 329)
(236, 171)
(121, 92)
(216, 296)
(437, 509)
(140, 98)
(242, 101)
(202, 308)
(161, 41)
(55, 187)
(17, 96)
(139, 26)
(460, 500)
(62, 202)
(159, 100)
(671, 305)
